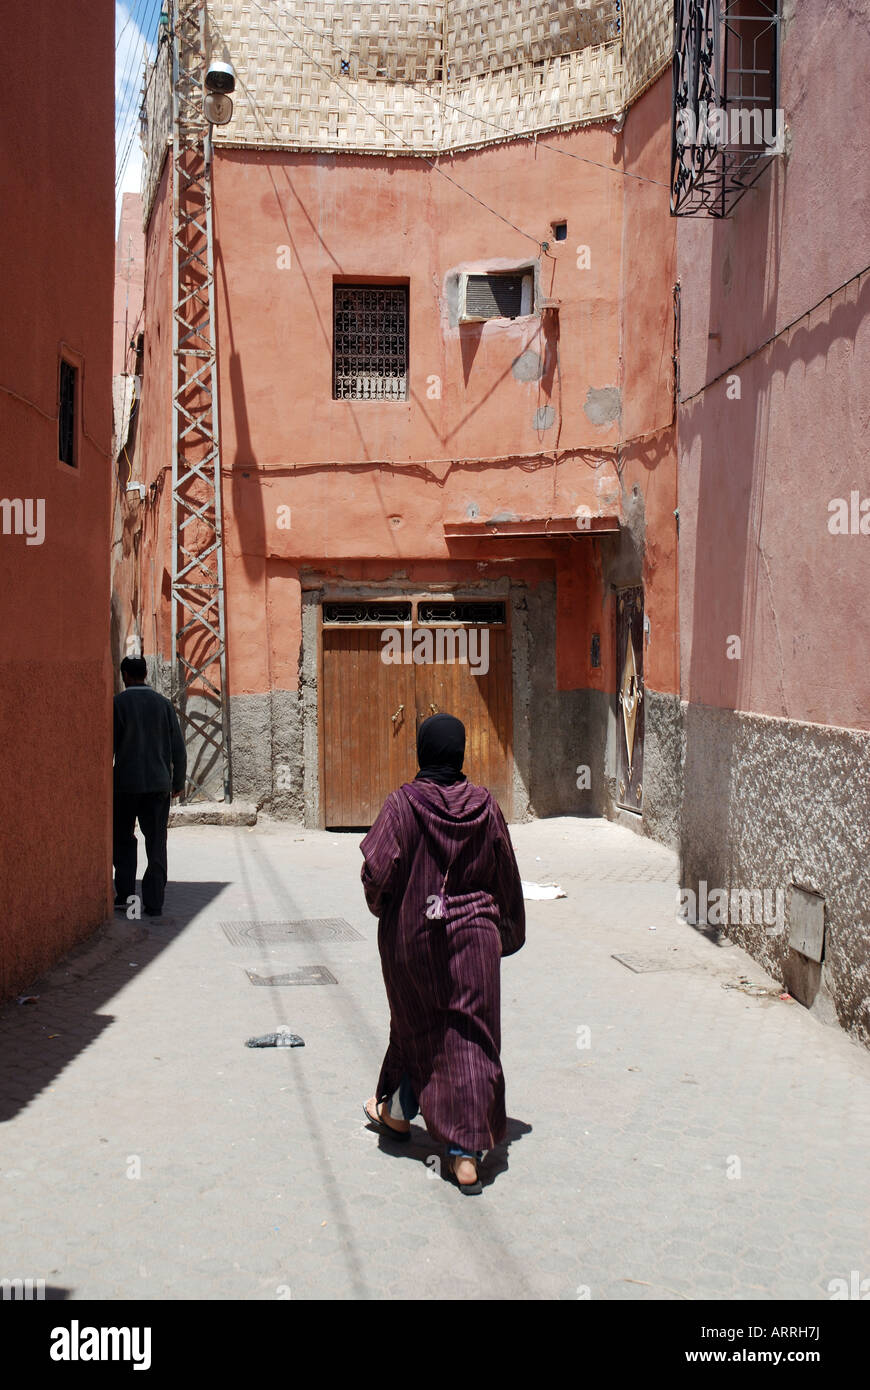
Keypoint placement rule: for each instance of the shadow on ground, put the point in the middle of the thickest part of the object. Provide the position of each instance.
(38, 1040)
(423, 1149)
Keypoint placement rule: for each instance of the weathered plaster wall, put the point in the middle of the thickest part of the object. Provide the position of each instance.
(775, 733)
(142, 530)
(528, 418)
(771, 802)
(57, 241)
(129, 282)
(758, 470)
(562, 737)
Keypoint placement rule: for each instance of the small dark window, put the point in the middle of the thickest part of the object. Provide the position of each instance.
(370, 343)
(560, 231)
(66, 429)
(498, 296)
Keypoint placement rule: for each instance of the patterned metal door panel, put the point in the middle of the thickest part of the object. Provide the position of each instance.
(629, 698)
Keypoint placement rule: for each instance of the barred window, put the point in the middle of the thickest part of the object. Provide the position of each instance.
(370, 343)
(66, 419)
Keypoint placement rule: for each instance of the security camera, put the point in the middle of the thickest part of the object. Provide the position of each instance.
(220, 78)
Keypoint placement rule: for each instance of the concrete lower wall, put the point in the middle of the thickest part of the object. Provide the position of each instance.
(662, 768)
(556, 732)
(770, 803)
(268, 764)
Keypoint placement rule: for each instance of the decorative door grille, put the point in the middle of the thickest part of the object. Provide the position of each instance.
(482, 614)
(355, 614)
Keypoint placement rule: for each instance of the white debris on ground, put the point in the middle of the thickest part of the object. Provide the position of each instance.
(538, 892)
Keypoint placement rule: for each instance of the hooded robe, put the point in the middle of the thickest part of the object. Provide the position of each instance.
(441, 876)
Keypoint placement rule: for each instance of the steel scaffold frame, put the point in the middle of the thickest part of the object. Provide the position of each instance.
(197, 595)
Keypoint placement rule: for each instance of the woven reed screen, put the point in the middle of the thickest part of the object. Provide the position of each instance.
(422, 76)
(648, 43)
(158, 114)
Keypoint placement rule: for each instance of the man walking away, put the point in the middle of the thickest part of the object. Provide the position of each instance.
(150, 767)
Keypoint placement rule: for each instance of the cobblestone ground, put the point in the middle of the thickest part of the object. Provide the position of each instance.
(705, 1143)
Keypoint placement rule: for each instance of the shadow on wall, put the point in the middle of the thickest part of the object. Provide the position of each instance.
(732, 468)
(247, 501)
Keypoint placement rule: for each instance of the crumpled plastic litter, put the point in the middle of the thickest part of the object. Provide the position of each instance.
(536, 892)
(283, 1038)
(756, 991)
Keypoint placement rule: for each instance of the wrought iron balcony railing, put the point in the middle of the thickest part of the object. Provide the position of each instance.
(727, 124)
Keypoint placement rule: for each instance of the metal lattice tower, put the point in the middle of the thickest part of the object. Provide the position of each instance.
(199, 685)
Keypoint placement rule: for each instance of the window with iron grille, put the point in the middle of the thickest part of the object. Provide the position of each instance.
(370, 343)
(66, 425)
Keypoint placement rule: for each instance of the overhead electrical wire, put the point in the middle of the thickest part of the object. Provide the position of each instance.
(131, 10)
(388, 127)
(126, 94)
(145, 17)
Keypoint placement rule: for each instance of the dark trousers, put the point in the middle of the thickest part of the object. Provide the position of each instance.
(151, 809)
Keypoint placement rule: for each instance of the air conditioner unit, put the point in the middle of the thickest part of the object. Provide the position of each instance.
(502, 294)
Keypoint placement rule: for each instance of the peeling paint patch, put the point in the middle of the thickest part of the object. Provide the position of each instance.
(528, 366)
(472, 511)
(545, 418)
(604, 405)
(501, 516)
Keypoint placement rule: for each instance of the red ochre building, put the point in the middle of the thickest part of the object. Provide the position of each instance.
(473, 372)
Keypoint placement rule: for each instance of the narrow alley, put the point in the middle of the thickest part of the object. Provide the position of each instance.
(676, 1131)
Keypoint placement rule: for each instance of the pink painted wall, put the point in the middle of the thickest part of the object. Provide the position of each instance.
(143, 558)
(57, 237)
(757, 474)
(129, 282)
(473, 451)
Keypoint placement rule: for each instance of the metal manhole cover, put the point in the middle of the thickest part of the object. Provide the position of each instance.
(277, 933)
(642, 965)
(305, 975)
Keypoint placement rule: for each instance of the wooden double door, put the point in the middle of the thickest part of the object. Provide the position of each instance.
(371, 710)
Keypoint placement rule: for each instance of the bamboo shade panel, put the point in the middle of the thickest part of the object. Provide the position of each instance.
(419, 76)
(648, 42)
(503, 33)
(158, 115)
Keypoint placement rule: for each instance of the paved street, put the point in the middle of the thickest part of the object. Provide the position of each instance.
(705, 1143)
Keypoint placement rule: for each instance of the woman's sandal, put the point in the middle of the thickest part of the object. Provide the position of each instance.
(399, 1136)
(469, 1189)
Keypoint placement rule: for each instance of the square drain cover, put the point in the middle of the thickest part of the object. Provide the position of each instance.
(278, 933)
(305, 975)
(642, 965)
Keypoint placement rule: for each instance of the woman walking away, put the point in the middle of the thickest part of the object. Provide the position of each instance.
(441, 876)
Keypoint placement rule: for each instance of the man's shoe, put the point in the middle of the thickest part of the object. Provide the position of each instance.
(153, 911)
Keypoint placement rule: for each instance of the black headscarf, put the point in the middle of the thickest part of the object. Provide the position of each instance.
(440, 750)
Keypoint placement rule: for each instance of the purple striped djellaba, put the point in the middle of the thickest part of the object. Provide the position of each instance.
(441, 876)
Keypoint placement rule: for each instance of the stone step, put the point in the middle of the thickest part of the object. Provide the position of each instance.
(213, 813)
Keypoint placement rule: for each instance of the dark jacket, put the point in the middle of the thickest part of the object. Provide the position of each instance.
(149, 751)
